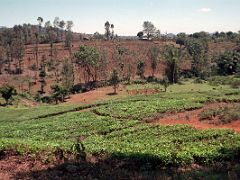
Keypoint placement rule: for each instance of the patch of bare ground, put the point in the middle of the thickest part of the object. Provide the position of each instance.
(192, 118)
(105, 93)
(27, 166)
(95, 95)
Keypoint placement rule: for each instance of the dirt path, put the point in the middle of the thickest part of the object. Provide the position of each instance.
(96, 95)
(192, 118)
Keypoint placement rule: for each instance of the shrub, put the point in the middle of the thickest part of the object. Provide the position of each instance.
(7, 92)
(222, 115)
(114, 80)
(228, 63)
(151, 79)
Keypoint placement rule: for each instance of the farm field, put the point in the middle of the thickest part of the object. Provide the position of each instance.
(137, 90)
(123, 131)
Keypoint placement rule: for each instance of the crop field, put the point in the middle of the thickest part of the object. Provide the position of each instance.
(116, 128)
(94, 93)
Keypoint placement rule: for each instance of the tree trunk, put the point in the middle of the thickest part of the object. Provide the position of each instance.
(115, 88)
(173, 74)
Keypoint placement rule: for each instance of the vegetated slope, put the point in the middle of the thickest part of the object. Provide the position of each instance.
(135, 51)
(117, 128)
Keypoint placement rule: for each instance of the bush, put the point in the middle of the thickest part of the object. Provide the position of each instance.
(198, 81)
(228, 63)
(151, 79)
(7, 92)
(221, 80)
(186, 74)
(139, 81)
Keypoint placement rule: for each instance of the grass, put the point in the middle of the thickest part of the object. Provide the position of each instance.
(233, 81)
(12, 114)
(224, 115)
(114, 127)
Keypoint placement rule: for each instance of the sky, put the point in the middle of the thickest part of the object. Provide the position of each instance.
(89, 16)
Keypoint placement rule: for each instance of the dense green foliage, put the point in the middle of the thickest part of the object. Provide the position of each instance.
(114, 127)
(7, 92)
(228, 63)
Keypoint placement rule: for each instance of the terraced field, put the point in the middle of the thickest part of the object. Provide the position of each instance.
(117, 128)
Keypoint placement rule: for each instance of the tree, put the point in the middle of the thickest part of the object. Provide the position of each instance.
(228, 63)
(100, 66)
(68, 40)
(173, 57)
(55, 64)
(198, 50)
(69, 36)
(7, 38)
(114, 80)
(140, 34)
(154, 55)
(36, 39)
(69, 25)
(40, 21)
(87, 57)
(56, 24)
(120, 59)
(107, 30)
(141, 68)
(42, 75)
(7, 92)
(2, 58)
(165, 83)
(58, 93)
(67, 74)
(149, 29)
(18, 53)
(112, 33)
(181, 38)
(48, 25)
(62, 25)
(97, 35)
(158, 34)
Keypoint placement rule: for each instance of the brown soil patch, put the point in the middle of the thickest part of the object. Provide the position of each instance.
(106, 93)
(192, 118)
(12, 166)
(96, 95)
(26, 167)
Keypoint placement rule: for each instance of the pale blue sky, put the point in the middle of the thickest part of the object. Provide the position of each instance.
(89, 16)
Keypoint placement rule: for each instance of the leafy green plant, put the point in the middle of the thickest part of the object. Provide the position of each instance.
(7, 92)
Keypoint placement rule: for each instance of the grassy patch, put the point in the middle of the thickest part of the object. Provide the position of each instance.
(114, 128)
(221, 115)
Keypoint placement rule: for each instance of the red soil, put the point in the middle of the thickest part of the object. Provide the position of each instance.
(106, 93)
(95, 95)
(137, 50)
(19, 167)
(192, 118)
